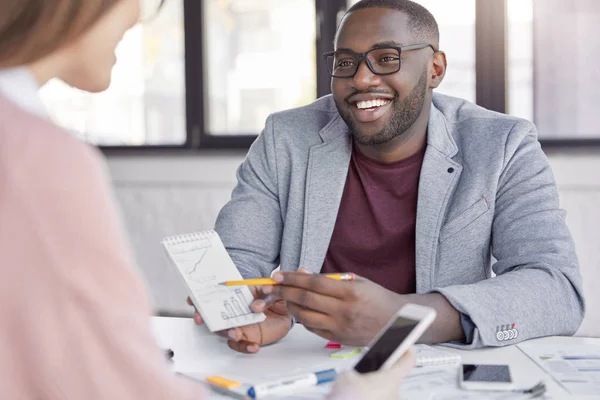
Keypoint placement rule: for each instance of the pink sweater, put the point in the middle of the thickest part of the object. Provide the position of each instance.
(74, 312)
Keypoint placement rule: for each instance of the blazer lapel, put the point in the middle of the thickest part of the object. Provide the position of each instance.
(325, 181)
(439, 176)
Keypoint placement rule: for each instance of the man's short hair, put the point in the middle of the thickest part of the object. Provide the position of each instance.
(421, 23)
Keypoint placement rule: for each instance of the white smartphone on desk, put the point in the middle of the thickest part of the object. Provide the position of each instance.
(399, 334)
(485, 377)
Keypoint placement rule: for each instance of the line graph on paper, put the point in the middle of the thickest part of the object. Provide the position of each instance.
(188, 257)
(204, 263)
(197, 264)
(192, 266)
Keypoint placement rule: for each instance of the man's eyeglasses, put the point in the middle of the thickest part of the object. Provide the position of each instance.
(149, 9)
(380, 60)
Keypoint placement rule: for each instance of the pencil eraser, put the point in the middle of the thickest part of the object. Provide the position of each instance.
(223, 382)
(333, 345)
(346, 353)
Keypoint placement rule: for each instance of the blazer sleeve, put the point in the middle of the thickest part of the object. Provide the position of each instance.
(251, 223)
(537, 290)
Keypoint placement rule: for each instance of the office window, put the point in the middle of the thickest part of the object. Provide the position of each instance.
(456, 21)
(550, 66)
(519, 36)
(565, 68)
(207, 73)
(259, 58)
(145, 104)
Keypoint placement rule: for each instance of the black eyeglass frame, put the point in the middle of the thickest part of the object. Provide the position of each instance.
(363, 56)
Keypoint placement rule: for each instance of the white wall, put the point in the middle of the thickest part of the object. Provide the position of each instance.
(169, 195)
(164, 195)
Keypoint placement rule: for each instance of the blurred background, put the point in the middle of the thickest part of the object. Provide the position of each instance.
(193, 88)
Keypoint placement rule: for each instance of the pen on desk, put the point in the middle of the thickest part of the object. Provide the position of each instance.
(291, 384)
(169, 353)
(269, 281)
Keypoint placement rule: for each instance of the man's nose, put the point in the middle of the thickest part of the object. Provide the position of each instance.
(364, 77)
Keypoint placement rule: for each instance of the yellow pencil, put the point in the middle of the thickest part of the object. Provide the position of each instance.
(269, 281)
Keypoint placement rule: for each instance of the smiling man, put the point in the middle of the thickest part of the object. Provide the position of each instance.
(429, 199)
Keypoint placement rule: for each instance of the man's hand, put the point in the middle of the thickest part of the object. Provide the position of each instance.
(249, 338)
(350, 313)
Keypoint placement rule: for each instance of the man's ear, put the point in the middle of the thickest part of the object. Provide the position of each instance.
(438, 70)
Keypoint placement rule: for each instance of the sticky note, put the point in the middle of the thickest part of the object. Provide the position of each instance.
(333, 345)
(346, 353)
(223, 382)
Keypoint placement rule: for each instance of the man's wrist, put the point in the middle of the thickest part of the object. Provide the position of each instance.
(447, 326)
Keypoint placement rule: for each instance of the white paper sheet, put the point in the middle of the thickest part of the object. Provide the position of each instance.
(576, 367)
(203, 263)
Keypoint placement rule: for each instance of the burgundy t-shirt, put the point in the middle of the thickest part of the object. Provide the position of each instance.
(374, 234)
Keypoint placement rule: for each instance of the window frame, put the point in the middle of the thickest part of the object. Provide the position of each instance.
(491, 85)
(197, 137)
(490, 54)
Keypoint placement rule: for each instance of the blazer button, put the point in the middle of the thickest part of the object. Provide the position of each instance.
(450, 170)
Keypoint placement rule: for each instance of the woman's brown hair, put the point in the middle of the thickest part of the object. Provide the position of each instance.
(32, 29)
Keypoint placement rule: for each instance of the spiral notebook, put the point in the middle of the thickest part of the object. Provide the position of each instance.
(427, 355)
(202, 262)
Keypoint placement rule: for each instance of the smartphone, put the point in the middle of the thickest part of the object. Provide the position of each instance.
(485, 377)
(399, 334)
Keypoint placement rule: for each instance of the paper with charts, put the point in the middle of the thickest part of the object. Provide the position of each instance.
(575, 366)
(203, 263)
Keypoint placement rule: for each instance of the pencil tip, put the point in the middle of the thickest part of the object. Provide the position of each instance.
(222, 283)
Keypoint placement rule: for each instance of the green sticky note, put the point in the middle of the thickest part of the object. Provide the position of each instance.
(345, 353)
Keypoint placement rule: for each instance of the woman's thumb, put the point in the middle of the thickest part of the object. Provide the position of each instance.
(402, 367)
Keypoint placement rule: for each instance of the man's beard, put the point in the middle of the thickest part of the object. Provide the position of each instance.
(404, 115)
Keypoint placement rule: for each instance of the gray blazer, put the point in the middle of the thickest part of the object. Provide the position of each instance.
(486, 190)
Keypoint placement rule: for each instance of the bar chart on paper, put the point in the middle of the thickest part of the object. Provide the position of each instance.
(203, 263)
(236, 306)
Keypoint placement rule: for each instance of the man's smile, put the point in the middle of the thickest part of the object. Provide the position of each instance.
(369, 107)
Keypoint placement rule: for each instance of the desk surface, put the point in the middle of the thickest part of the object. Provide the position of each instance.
(202, 353)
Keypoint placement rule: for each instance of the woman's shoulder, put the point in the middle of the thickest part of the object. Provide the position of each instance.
(33, 145)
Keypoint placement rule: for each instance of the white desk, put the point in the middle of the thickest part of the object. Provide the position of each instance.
(200, 352)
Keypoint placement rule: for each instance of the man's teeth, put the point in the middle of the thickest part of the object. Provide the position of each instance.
(371, 103)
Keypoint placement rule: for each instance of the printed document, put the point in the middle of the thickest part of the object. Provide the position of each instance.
(576, 367)
(203, 262)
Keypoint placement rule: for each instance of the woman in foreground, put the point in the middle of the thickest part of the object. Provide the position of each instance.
(74, 311)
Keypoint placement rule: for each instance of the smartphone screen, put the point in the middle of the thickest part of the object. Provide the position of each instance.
(385, 346)
(486, 373)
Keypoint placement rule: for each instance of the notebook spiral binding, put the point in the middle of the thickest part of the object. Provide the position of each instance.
(437, 360)
(188, 237)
